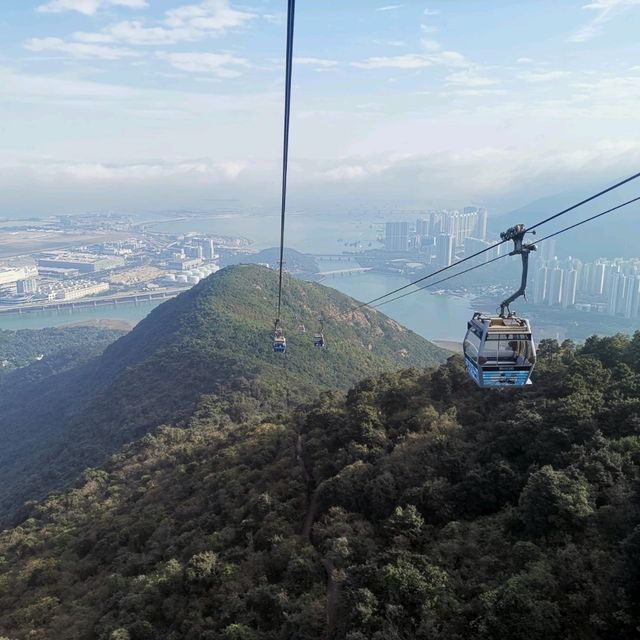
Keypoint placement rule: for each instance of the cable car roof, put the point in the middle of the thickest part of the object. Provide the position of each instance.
(496, 324)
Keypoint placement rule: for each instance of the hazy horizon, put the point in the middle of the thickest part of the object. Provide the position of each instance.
(141, 105)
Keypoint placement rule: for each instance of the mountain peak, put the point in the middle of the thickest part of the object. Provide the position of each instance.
(211, 341)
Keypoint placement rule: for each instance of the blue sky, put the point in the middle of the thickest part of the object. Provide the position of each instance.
(152, 104)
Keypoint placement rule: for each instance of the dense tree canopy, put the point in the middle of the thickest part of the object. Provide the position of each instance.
(412, 506)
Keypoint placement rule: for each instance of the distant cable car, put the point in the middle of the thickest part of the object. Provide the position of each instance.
(279, 341)
(499, 351)
(318, 338)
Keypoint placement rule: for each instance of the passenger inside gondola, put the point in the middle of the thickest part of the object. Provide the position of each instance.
(522, 354)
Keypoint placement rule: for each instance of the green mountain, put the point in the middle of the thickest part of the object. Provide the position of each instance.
(215, 340)
(412, 506)
(25, 346)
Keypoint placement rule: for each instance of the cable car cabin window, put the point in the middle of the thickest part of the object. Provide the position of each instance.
(491, 349)
(472, 345)
(477, 332)
(508, 348)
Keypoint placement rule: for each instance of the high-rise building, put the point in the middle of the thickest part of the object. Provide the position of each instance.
(569, 287)
(396, 236)
(597, 282)
(444, 249)
(208, 248)
(436, 223)
(585, 280)
(481, 227)
(554, 291)
(548, 249)
(617, 290)
(471, 222)
(540, 286)
(632, 307)
(422, 227)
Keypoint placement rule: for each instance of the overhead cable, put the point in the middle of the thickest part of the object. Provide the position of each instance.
(285, 151)
(505, 255)
(497, 244)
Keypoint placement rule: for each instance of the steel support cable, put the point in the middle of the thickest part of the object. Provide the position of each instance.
(433, 284)
(505, 255)
(497, 244)
(575, 206)
(285, 151)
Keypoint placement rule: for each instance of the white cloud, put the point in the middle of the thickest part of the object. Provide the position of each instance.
(141, 171)
(470, 78)
(210, 15)
(408, 61)
(93, 38)
(431, 12)
(89, 7)
(186, 23)
(607, 5)
(220, 65)
(79, 49)
(317, 62)
(390, 43)
(472, 93)
(543, 76)
(585, 33)
(524, 60)
(344, 173)
(390, 7)
(21, 88)
(429, 45)
(606, 9)
(134, 32)
(414, 61)
(427, 28)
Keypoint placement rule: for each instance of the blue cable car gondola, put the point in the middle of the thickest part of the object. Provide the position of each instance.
(279, 344)
(318, 338)
(279, 341)
(499, 351)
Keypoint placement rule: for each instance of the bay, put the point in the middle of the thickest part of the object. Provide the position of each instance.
(322, 233)
(435, 317)
(431, 316)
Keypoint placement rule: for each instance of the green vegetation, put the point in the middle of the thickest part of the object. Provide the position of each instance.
(412, 506)
(20, 348)
(214, 339)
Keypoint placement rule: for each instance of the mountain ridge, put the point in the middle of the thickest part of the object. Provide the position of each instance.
(212, 339)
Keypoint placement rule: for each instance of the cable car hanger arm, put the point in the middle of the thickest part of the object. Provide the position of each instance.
(517, 234)
(490, 248)
(504, 255)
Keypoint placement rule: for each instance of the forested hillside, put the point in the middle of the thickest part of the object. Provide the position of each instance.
(23, 347)
(412, 506)
(214, 339)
